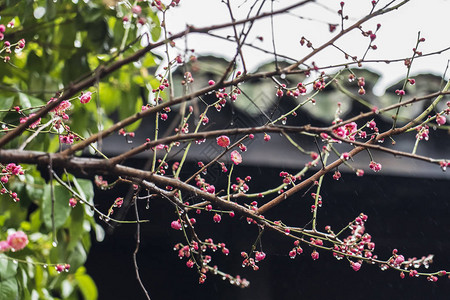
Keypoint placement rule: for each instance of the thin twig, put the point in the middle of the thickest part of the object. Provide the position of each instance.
(52, 198)
(138, 242)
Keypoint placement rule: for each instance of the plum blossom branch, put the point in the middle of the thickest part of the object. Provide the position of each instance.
(345, 31)
(267, 128)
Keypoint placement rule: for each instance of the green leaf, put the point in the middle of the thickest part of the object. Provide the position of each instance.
(75, 67)
(34, 184)
(14, 213)
(27, 101)
(65, 37)
(76, 229)
(86, 241)
(24, 101)
(98, 36)
(99, 232)
(40, 277)
(22, 280)
(86, 190)
(53, 144)
(118, 30)
(78, 256)
(110, 97)
(92, 13)
(148, 61)
(26, 295)
(34, 62)
(61, 206)
(86, 285)
(66, 288)
(5, 104)
(50, 12)
(8, 268)
(10, 3)
(131, 103)
(156, 28)
(9, 289)
(3, 219)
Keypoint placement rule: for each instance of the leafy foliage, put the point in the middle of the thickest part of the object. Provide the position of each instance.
(65, 42)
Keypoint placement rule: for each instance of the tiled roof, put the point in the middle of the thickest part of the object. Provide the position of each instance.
(260, 103)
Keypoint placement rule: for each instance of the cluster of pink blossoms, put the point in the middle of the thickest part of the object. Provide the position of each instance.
(67, 139)
(85, 97)
(8, 171)
(423, 132)
(100, 183)
(15, 242)
(122, 132)
(32, 125)
(441, 118)
(62, 268)
(2, 30)
(136, 12)
(185, 251)
(375, 166)
(361, 84)
(202, 184)
(347, 131)
(117, 203)
(358, 243)
(289, 178)
(7, 45)
(241, 185)
(224, 141)
(222, 95)
(250, 261)
(61, 109)
(296, 250)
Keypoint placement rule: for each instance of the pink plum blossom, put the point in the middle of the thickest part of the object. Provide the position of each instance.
(440, 119)
(136, 9)
(259, 256)
(85, 97)
(375, 166)
(315, 255)
(72, 202)
(355, 266)
(176, 225)
(17, 240)
(223, 141)
(217, 218)
(4, 246)
(236, 157)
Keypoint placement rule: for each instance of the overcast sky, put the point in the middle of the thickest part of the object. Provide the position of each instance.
(395, 39)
